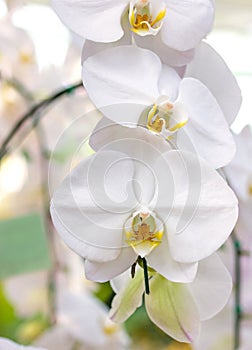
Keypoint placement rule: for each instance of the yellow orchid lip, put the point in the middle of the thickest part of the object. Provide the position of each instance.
(141, 20)
(143, 235)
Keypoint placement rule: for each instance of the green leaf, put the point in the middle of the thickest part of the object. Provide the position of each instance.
(7, 313)
(23, 246)
(172, 308)
(8, 317)
(105, 293)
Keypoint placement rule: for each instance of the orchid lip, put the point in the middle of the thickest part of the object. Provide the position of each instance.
(161, 118)
(141, 19)
(144, 232)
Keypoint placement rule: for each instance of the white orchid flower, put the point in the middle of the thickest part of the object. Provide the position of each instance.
(6, 344)
(181, 26)
(83, 319)
(153, 95)
(133, 198)
(17, 54)
(176, 308)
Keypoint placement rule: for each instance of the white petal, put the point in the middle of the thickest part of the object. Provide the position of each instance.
(102, 272)
(212, 287)
(218, 78)
(196, 205)
(90, 48)
(166, 54)
(128, 299)
(107, 135)
(141, 146)
(161, 260)
(239, 170)
(187, 23)
(207, 132)
(121, 281)
(56, 337)
(77, 245)
(171, 307)
(7, 344)
(93, 20)
(169, 81)
(217, 332)
(92, 204)
(78, 312)
(122, 81)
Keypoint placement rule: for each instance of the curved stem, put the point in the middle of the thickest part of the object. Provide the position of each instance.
(237, 306)
(44, 103)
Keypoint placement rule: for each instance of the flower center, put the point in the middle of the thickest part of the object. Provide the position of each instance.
(249, 187)
(143, 232)
(166, 118)
(26, 57)
(109, 327)
(142, 17)
(9, 96)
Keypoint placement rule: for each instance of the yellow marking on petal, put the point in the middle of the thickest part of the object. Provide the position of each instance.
(178, 346)
(141, 21)
(157, 124)
(26, 57)
(250, 190)
(144, 246)
(132, 18)
(110, 328)
(9, 96)
(178, 125)
(159, 17)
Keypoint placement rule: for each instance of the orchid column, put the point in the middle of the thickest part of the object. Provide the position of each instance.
(149, 209)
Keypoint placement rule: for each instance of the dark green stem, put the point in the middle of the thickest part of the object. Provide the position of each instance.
(30, 114)
(146, 276)
(237, 306)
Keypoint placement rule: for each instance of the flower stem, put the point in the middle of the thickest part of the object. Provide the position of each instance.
(237, 306)
(32, 111)
(146, 276)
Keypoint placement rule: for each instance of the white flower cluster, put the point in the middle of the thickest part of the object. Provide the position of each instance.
(148, 210)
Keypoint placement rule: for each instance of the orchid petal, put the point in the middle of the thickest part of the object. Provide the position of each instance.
(56, 337)
(128, 299)
(141, 146)
(102, 272)
(212, 287)
(92, 204)
(218, 78)
(187, 23)
(107, 134)
(76, 310)
(166, 54)
(239, 170)
(172, 308)
(7, 344)
(122, 94)
(121, 281)
(161, 260)
(203, 208)
(168, 84)
(207, 130)
(93, 20)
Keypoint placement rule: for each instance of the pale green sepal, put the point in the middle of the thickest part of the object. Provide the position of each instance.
(172, 308)
(128, 299)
